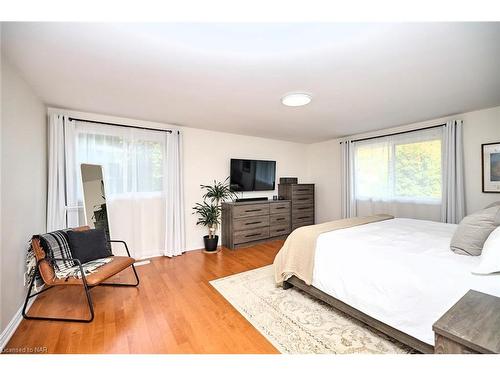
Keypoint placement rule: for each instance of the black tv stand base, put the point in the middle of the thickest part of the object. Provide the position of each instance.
(252, 199)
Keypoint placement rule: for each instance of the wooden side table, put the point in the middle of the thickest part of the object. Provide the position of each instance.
(472, 325)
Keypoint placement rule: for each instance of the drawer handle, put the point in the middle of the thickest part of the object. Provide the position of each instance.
(279, 208)
(302, 189)
(253, 222)
(303, 217)
(280, 218)
(302, 199)
(253, 235)
(254, 210)
(303, 208)
(280, 230)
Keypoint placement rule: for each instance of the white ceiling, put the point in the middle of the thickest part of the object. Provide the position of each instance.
(230, 77)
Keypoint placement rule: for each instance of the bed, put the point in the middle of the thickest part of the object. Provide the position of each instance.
(398, 276)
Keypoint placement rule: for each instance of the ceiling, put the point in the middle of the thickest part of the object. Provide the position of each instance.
(231, 77)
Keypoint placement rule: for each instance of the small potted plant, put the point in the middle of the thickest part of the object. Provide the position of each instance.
(209, 211)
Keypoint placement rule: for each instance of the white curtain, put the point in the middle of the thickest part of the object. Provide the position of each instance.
(347, 186)
(75, 215)
(143, 183)
(175, 236)
(399, 175)
(453, 207)
(56, 202)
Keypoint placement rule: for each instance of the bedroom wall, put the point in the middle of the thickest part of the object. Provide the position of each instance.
(24, 181)
(324, 170)
(482, 126)
(479, 127)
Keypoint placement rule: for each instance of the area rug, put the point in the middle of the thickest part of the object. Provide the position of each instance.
(295, 322)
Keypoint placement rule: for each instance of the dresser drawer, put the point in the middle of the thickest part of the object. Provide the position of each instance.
(251, 235)
(303, 199)
(303, 216)
(301, 189)
(248, 210)
(443, 345)
(279, 219)
(278, 208)
(279, 230)
(302, 224)
(299, 209)
(251, 222)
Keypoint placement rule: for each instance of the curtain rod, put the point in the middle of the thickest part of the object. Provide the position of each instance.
(392, 134)
(121, 125)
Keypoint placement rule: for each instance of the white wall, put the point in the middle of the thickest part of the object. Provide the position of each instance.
(481, 126)
(24, 181)
(324, 170)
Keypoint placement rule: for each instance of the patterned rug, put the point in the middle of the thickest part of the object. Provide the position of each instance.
(296, 323)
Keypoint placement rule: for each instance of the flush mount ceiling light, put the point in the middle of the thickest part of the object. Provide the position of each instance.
(296, 99)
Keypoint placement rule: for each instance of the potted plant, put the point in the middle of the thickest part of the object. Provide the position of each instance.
(209, 211)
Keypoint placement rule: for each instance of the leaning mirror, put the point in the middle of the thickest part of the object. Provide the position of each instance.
(94, 197)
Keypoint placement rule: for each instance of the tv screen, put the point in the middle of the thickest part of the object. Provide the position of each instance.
(252, 175)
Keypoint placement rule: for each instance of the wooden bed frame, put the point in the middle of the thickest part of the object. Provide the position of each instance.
(356, 314)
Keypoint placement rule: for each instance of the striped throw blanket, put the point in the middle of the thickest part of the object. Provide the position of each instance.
(56, 246)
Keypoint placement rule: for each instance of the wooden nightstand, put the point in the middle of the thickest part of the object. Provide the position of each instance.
(472, 325)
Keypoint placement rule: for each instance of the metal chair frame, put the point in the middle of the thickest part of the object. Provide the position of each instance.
(86, 288)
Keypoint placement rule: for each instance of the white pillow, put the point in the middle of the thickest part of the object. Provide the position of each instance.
(490, 256)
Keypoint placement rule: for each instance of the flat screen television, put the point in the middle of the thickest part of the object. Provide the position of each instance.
(252, 175)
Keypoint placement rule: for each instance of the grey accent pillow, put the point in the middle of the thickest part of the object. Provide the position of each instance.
(474, 230)
(497, 203)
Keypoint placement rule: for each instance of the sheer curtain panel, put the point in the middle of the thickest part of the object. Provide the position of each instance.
(56, 201)
(175, 237)
(143, 176)
(347, 186)
(133, 162)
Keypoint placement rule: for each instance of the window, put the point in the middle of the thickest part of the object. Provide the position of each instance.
(134, 168)
(405, 167)
(133, 162)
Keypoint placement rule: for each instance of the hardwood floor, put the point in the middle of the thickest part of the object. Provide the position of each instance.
(174, 310)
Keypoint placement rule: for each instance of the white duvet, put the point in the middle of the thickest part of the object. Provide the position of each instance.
(401, 272)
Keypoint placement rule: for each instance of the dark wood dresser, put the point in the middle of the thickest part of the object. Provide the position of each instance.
(247, 223)
(301, 197)
(472, 325)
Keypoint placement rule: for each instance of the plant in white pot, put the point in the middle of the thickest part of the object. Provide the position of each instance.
(209, 211)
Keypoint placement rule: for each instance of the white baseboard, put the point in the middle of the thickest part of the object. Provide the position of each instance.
(13, 324)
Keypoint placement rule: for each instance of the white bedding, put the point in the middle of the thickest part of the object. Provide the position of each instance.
(401, 272)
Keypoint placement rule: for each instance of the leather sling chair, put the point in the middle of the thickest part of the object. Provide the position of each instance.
(45, 269)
